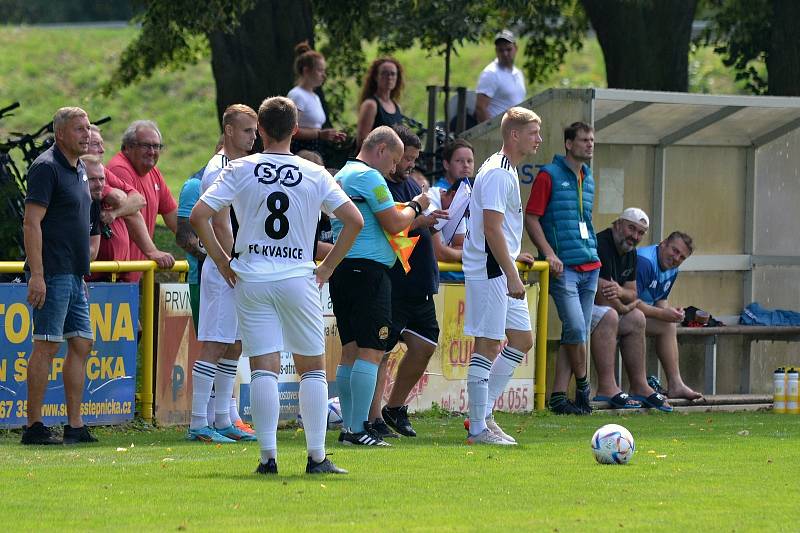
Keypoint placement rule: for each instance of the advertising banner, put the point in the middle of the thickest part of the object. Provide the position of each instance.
(176, 351)
(108, 397)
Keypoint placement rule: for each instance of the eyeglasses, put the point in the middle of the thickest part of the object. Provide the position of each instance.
(153, 147)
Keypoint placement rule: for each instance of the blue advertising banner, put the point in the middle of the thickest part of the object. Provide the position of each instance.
(110, 369)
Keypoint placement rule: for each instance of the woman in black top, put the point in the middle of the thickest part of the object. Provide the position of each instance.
(380, 92)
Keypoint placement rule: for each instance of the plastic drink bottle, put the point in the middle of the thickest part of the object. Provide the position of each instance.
(792, 391)
(779, 391)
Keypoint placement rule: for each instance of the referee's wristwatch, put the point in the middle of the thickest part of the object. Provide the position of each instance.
(416, 207)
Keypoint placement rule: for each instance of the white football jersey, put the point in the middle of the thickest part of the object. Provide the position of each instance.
(496, 188)
(277, 199)
(213, 168)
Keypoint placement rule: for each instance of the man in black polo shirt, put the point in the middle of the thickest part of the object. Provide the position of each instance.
(56, 229)
(413, 312)
(615, 316)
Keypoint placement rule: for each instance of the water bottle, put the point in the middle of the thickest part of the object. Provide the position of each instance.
(792, 391)
(779, 390)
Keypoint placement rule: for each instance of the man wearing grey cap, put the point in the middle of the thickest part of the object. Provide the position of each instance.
(501, 85)
(615, 316)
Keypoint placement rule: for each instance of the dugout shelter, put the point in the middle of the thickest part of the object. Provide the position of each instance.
(723, 168)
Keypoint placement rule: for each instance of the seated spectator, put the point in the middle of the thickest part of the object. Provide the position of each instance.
(309, 66)
(448, 252)
(656, 272)
(501, 85)
(380, 93)
(615, 316)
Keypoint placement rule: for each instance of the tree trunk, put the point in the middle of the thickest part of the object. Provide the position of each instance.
(257, 60)
(783, 58)
(645, 42)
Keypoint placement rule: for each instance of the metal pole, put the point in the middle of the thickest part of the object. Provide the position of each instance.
(430, 136)
(461, 110)
(540, 383)
(148, 283)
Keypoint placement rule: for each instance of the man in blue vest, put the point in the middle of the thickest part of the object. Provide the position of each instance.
(558, 219)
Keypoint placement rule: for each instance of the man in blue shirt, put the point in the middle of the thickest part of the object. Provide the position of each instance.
(361, 290)
(656, 272)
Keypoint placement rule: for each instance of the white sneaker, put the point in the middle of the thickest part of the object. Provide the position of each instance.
(488, 437)
(497, 430)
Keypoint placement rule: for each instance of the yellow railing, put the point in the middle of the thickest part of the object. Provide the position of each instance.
(148, 308)
(543, 269)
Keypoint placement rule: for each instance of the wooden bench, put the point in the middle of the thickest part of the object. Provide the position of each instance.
(709, 337)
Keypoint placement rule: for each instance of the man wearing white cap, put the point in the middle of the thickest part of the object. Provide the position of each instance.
(501, 85)
(615, 316)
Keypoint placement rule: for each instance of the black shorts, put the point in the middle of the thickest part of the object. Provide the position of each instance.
(414, 314)
(361, 294)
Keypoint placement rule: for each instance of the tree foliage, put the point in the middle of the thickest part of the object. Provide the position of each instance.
(758, 36)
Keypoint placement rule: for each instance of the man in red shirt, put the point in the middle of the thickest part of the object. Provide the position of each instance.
(123, 218)
(558, 219)
(135, 164)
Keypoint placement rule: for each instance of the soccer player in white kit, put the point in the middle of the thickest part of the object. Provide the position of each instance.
(217, 329)
(277, 198)
(496, 306)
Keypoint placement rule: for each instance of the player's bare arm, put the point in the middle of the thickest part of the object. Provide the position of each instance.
(352, 220)
(201, 222)
(535, 232)
(493, 229)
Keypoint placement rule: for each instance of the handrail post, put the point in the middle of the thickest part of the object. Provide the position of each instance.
(540, 385)
(148, 300)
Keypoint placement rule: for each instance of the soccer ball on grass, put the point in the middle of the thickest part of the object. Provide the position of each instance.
(613, 444)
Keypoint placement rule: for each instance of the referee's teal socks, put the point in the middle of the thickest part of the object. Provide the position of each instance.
(343, 386)
(363, 378)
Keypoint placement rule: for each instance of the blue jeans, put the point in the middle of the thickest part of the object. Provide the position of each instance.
(65, 313)
(573, 293)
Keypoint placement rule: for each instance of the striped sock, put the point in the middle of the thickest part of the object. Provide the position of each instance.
(478, 391)
(557, 398)
(363, 378)
(265, 407)
(223, 389)
(212, 401)
(582, 383)
(502, 370)
(343, 386)
(314, 410)
(202, 381)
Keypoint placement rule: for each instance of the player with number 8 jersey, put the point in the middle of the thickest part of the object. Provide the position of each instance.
(277, 198)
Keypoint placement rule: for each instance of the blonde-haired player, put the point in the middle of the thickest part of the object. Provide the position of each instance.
(496, 306)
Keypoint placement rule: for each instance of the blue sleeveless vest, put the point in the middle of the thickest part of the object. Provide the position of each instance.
(561, 218)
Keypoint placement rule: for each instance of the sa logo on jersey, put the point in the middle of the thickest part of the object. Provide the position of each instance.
(269, 173)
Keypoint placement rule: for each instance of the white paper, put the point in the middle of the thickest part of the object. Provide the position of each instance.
(456, 211)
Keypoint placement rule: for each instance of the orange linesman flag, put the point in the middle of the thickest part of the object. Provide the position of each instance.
(402, 244)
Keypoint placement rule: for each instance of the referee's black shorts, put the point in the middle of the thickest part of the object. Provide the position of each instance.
(414, 314)
(361, 294)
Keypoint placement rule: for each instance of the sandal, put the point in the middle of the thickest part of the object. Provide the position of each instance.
(654, 401)
(621, 400)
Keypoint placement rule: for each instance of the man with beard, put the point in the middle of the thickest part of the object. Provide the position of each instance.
(615, 316)
(413, 312)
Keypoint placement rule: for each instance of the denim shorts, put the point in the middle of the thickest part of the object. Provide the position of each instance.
(573, 294)
(65, 313)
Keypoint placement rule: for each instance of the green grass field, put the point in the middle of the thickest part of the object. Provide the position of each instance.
(693, 472)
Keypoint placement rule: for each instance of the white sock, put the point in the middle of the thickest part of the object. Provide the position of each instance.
(234, 411)
(202, 381)
(314, 410)
(212, 400)
(265, 408)
(502, 370)
(477, 391)
(223, 389)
